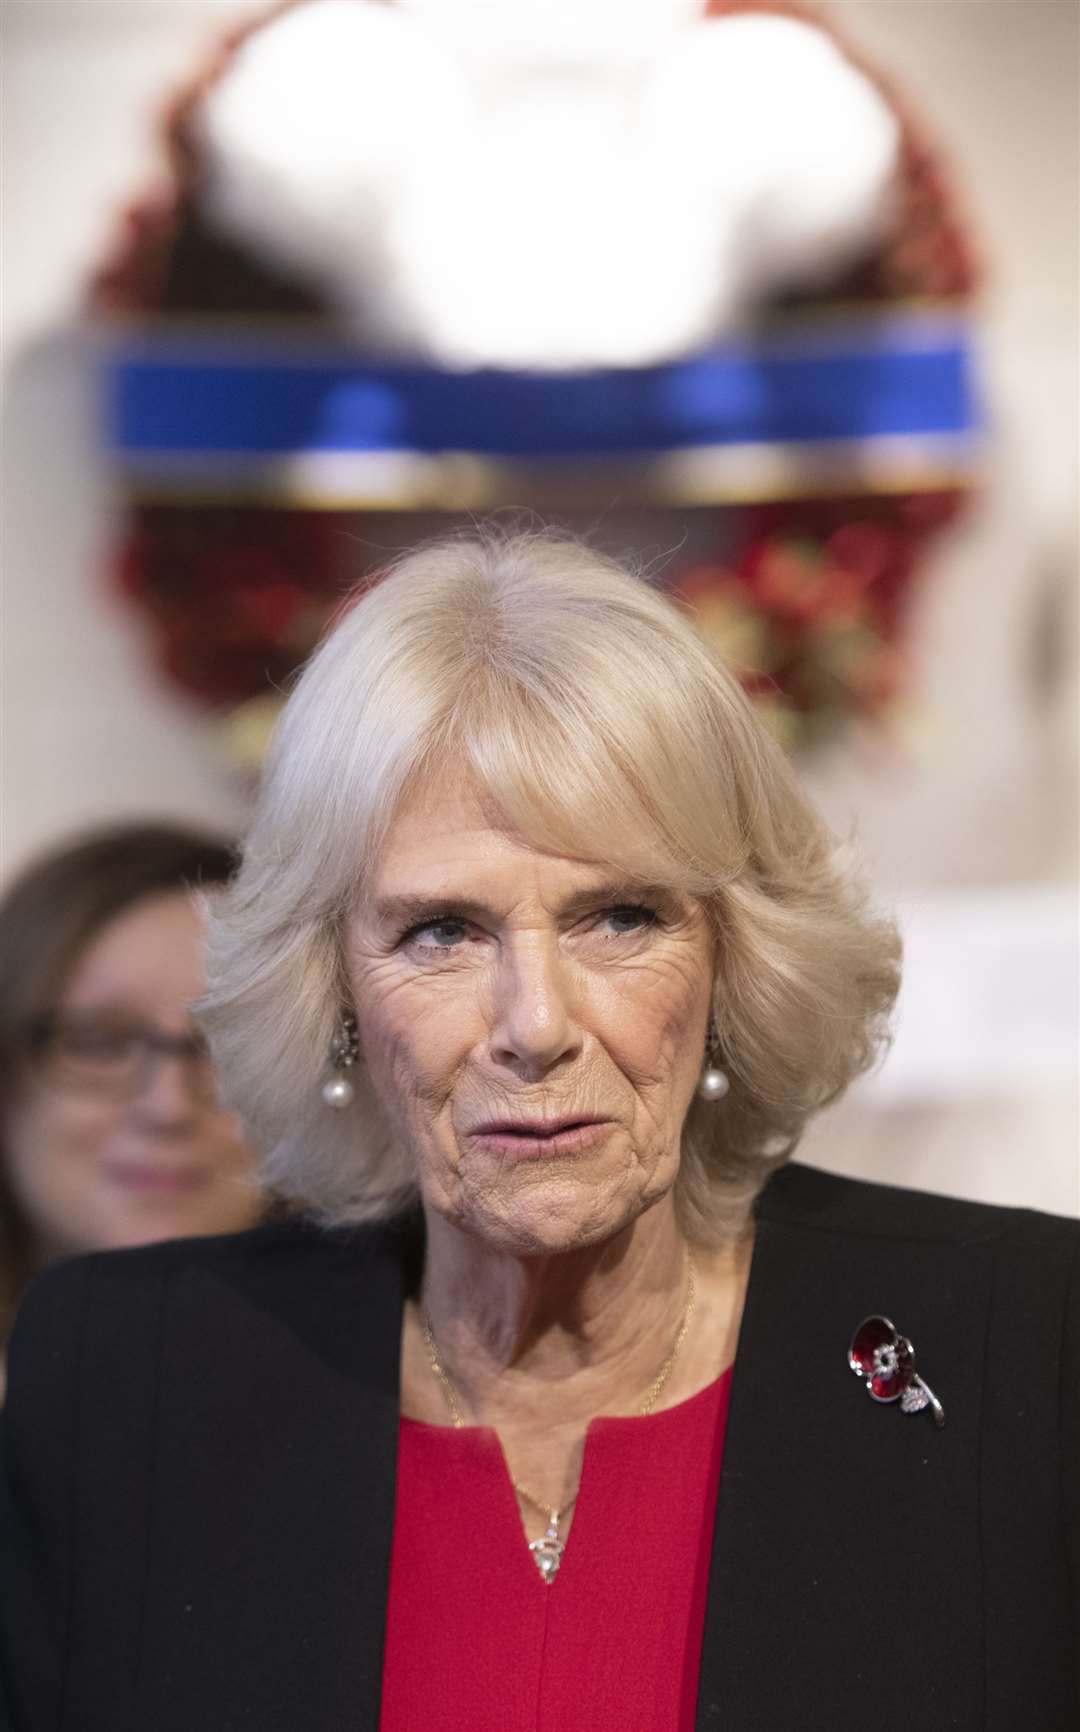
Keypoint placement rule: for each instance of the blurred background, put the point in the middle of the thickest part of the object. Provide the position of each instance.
(904, 608)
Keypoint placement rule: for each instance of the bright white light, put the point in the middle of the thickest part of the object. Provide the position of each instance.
(489, 186)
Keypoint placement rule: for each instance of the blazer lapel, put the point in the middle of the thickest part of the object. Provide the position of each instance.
(847, 1537)
(268, 1596)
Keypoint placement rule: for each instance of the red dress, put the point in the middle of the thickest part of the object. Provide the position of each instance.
(477, 1642)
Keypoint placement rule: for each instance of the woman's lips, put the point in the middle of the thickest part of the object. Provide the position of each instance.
(532, 1139)
(149, 1179)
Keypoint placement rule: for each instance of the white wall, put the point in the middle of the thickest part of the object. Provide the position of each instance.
(970, 818)
(975, 832)
(87, 732)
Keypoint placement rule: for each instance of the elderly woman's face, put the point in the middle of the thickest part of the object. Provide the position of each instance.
(533, 1030)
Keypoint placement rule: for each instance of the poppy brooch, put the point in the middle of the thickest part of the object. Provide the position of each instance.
(885, 1360)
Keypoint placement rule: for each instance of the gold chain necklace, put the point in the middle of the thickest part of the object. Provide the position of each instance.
(548, 1550)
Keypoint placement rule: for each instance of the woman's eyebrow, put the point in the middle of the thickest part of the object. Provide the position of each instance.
(614, 893)
(410, 908)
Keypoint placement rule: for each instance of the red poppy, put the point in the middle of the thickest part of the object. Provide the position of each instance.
(885, 1360)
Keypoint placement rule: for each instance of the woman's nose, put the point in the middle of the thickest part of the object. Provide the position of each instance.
(535, 1024)
(171, 1096)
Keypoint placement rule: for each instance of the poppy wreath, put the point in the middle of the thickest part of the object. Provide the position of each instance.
(806, 594)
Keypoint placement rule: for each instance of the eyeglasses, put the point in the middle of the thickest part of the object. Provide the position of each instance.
(115, 1057)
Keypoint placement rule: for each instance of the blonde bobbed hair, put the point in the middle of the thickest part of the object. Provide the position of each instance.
(586, 708)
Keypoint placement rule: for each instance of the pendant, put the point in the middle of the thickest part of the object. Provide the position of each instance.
(547, 1551)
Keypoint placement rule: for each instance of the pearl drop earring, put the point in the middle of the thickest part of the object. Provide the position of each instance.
(713, 1083)
(338, 1092)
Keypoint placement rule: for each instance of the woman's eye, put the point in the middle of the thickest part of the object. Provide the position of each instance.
(627, 918)
(437, 935)
(98, 1046)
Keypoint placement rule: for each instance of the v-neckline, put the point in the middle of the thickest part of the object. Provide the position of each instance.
(602, 1428)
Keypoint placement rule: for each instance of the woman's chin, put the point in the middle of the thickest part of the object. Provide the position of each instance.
(151, 1220)
(550, 1224)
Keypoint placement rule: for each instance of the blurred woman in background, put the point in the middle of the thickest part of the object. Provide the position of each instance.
(111, 1132)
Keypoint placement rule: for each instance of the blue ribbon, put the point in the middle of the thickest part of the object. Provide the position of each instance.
(204, 395)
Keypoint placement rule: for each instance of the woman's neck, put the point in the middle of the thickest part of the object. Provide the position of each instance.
(552, 1342)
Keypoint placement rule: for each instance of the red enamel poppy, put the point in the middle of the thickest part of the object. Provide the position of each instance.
(885, 1360)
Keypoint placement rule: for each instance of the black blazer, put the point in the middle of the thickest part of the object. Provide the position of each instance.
(200, 1453)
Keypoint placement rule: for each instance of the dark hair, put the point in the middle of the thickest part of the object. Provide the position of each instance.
(49, 914)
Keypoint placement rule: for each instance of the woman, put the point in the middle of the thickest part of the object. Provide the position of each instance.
(111, 1132)
(536, 965)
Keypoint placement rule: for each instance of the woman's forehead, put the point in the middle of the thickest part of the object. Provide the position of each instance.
(445, 799)
(149, 953)
(447, 813)
(449, 836)
(443, 832)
